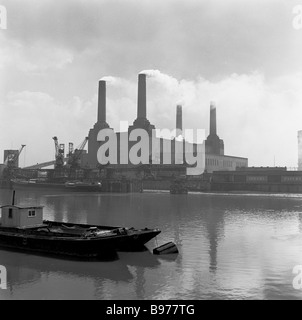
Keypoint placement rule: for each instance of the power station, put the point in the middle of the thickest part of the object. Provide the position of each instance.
(79, 164)
(215, 159)
(223, 172)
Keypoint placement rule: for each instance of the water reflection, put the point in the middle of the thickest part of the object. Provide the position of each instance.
(214, 222)
(230, 247)
(25, 270)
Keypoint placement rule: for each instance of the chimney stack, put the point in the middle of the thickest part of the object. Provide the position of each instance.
(213, 130)
(142, 99)
(102, 102)
(141, 121)
(178, 120)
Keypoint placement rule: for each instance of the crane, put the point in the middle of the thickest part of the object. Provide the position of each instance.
(70, 148)
(11, 163)
(75, 155)
(59, 153)
(12, 158)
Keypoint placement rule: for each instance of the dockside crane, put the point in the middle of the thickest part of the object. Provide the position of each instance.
(74, 157)
(70, 149)
(11, 163)
(12, 158)
(59, 154)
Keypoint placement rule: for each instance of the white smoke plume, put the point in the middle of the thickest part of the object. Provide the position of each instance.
(115, 81)
(161, 77)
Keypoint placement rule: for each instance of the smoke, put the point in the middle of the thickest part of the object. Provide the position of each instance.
(164, 83)
(166, 80)
(115, 81)
(180, 102)
(108, 79)
(151, 73)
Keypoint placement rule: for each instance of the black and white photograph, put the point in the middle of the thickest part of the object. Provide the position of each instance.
(150, 152)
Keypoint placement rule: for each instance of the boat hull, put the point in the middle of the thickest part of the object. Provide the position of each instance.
(126, 239)
(136, 241)
(99, 248)
(76, 240)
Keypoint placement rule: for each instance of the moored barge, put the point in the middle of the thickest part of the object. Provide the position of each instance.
(23, 228)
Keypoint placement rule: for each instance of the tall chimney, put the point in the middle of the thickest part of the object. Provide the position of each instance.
(102, 102)
(178, 120)
(213, 130)
(142, 99)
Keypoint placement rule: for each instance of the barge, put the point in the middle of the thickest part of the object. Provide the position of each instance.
(79, 186)
(23, 228)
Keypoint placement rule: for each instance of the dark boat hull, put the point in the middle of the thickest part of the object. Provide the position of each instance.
(136, 242)
(99, 248)
(126, 239)
(76, 240)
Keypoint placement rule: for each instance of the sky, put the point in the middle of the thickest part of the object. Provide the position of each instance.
(243, 54)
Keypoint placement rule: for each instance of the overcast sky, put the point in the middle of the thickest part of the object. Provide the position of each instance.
(243, 54)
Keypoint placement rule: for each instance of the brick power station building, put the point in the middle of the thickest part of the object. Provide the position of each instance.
(213, 146)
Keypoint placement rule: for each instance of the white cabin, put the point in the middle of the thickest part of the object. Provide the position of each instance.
(21, 217)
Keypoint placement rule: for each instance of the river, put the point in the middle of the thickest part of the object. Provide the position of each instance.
(231, 246)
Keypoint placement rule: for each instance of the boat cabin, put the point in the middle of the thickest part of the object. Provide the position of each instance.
(21, 217)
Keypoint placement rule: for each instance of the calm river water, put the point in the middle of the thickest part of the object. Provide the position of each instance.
(231, 246)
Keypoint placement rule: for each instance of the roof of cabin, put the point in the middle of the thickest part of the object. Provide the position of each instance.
(22, 207)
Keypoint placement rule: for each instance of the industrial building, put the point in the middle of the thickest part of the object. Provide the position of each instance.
(79, 164)
(263, 179)
(214, 159)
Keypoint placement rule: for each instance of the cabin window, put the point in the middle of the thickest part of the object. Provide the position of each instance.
(10, 213)
(31, 213)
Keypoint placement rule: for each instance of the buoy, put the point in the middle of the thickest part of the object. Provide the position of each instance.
(167, 248)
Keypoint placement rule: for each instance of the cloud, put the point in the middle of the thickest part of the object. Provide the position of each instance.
(181, 37)
(37, 58)
(243, 55)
